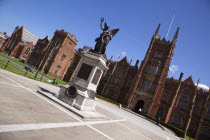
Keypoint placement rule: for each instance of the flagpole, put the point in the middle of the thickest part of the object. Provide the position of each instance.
(170, 27)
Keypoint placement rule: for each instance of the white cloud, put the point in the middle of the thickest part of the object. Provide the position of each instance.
(173, 68)
(123, 54)
(203, 87)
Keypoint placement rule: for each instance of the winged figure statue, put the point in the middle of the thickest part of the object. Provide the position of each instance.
(105, 37)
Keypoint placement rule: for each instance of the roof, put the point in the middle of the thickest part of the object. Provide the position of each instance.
(4, 36)
(28, 36)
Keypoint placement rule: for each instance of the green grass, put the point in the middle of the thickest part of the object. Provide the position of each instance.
(188, 138)
(19, 71)
(31, 76)
(13, 60)
(178, 131)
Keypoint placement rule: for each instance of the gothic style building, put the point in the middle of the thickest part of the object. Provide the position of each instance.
(39, 52)
(177, 102)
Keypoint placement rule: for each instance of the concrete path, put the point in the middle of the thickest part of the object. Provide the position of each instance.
(25, 114)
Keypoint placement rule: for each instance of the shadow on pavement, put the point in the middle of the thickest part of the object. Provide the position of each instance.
(45, 90)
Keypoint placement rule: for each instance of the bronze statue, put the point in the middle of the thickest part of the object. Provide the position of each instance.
(105, 37)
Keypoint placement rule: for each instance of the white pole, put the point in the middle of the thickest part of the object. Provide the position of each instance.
(169, 27)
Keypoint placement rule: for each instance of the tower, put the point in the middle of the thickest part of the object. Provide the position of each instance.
(149, 81)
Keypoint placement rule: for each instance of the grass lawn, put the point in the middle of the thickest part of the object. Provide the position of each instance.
(19, 71)
(13, 60)
(30, 75)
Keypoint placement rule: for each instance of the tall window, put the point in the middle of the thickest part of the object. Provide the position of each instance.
(184, 99)
(110, 93)
(196, 108)
(166, 95)
(177, 119)
(57, 69)
(63, 58)
(146, 85)
(27, 51)
(152, 69)
(208, 113)
(158, 55)
(69, 45)
(117, 76)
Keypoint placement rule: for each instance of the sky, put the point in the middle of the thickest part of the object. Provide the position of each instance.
(136, 19)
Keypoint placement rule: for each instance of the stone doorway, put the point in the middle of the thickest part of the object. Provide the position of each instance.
(139, 104)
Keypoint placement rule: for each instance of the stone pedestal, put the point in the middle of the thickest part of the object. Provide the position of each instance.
(80, 93)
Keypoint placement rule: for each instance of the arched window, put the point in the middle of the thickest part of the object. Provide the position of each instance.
(184, 99)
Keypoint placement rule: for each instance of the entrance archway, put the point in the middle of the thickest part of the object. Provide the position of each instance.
(139, 104)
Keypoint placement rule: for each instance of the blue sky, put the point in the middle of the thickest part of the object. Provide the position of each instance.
(137, 20)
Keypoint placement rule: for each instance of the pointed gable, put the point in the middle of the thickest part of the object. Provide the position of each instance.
(124, 60)
(189, 81)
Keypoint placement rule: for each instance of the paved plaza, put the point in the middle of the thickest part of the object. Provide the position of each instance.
(26, 114)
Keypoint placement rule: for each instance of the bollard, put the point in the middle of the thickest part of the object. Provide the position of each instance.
(25, 73)
(6, 64)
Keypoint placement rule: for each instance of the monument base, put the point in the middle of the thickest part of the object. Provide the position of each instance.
(81, 102)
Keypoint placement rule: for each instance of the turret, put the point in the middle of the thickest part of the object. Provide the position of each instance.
(176, 35)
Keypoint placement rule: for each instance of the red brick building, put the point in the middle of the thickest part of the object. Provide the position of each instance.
(39, 51)
(117, 80)
(20, 44)
(177, 102)
(59, 55)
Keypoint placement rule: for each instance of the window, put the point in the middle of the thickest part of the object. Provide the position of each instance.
(196, 107)
(110, 93)
(69, 45)
(208, 113)
(146, 85)
(158, 55)
(57, 69)
(63, 58)
(152, 69)
(177, 119)
(27, 51)
(129, 83)
(166, 95)
(183, 99)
